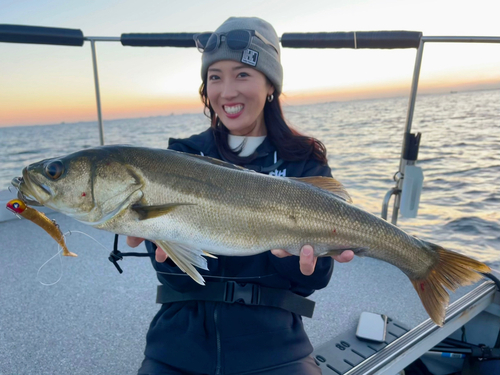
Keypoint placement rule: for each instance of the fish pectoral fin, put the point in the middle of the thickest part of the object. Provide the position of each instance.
(150, 212)
(185, 258)
(327, 183)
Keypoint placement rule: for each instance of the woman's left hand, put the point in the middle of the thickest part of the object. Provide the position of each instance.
(308, 260)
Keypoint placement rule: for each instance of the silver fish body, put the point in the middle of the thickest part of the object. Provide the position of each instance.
(191, 206)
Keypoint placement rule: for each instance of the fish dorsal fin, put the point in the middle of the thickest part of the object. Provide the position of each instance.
(150, 212)
(327, 183)
(220, 163)
(185, 258)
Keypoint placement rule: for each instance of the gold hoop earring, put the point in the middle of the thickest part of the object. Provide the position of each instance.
(270, 98)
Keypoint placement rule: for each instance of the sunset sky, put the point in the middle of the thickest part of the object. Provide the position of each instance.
(52, 84)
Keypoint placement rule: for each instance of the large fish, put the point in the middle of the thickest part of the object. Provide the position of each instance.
(193, 206)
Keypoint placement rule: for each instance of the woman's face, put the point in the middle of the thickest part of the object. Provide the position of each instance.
(237, 94)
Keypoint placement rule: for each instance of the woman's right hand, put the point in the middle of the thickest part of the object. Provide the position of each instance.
(160, 255)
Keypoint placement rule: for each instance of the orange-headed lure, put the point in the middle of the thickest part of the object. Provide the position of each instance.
(19, 207)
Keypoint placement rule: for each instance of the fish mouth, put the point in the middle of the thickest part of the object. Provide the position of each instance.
(24, 193)
(16, 182)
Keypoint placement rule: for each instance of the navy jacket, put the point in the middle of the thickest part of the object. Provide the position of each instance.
(222, 338)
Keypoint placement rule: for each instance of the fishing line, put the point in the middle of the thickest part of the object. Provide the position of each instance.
(120, 256)
(160, 272)
(52, 257)
(69, 233)
(221, 277)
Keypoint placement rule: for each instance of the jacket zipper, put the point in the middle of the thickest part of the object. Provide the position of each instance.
(218, 368)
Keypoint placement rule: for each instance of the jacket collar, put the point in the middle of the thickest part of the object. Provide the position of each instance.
(265, 148)
(205, 143)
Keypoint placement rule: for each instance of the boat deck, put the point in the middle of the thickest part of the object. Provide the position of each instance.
(94, 320)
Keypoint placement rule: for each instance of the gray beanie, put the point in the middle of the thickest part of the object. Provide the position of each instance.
(258, 55)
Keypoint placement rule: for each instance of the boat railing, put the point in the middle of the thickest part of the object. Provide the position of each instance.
(415, 343)
(325, 40)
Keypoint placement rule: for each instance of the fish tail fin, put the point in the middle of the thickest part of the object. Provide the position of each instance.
(68, 253)
(62, 243)
(451, 271)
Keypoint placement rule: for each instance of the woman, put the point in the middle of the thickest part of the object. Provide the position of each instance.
(242, 80)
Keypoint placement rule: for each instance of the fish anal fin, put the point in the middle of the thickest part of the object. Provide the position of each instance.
(185, 258)
(327, 183)
(451, 271)
(149, 212)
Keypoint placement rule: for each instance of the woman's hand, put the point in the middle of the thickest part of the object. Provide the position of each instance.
(308, 260)
(160, 255)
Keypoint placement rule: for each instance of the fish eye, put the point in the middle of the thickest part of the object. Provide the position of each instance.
(55, 169)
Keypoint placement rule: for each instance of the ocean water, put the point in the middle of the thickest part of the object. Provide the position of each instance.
(459, 154)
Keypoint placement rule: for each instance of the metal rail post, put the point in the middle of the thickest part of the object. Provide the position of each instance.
(97, 94)
(409, 118)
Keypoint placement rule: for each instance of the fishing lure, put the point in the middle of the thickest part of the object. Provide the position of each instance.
(50, 226)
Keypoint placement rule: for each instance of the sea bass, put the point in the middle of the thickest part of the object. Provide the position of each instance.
(193, 206)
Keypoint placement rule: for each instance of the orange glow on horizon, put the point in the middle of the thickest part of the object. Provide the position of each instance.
(50, 110)
(391, 90)
(56, 108)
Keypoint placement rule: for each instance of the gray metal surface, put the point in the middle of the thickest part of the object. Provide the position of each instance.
(95, 320)
(461, 39)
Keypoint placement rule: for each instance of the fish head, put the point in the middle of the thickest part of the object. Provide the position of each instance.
(91, 185)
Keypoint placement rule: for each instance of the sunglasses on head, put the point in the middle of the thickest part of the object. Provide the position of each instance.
(236, 40)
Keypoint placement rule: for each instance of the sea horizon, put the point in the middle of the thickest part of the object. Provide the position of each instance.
(284, 105)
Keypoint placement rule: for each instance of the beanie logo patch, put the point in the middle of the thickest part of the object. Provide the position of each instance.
(250, 57)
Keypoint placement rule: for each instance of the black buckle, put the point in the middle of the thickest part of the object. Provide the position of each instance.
(249, 294)
(117, 255)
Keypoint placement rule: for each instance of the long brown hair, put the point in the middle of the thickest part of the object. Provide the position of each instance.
(291, 145)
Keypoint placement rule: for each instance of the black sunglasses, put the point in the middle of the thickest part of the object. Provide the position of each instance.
(237, 40)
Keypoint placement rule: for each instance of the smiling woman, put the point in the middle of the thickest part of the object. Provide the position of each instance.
(242, 82)
(241, 90)
(238, 94)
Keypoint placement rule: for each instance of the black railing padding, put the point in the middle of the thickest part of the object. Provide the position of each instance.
(158, 40)
(40, 35)
(359, 39)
